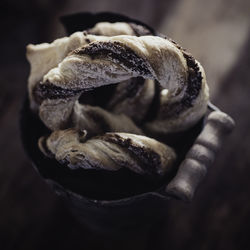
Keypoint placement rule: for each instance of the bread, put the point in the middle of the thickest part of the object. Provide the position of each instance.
(154, 88)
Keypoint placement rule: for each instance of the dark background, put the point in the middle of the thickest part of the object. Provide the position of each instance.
(218, 34)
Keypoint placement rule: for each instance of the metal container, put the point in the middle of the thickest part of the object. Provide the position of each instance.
(135, 216)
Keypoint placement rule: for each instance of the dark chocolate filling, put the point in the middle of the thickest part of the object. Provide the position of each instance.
(193, 87)
(47, 90)
(148, 159)
(116, 51)
(194, 81)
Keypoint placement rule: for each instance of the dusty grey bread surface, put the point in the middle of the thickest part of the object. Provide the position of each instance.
(110, 151)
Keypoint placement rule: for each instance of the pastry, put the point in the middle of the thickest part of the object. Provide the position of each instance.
(147, 85)
(110, 151)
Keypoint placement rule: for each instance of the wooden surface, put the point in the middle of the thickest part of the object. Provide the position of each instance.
(32, 217)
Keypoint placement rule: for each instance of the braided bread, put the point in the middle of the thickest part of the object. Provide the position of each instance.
(154, 88)
(110, 151)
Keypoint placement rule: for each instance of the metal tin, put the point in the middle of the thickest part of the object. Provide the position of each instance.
(141, 211)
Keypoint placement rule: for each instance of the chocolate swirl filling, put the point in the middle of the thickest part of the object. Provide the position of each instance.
(116, 51)
(192, 91)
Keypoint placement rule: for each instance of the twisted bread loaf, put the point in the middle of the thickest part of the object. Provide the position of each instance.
(74, 68)
(110, 151)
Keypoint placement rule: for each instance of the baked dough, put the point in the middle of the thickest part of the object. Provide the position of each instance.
(110, 60)
(158, 89)
(110, 151)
